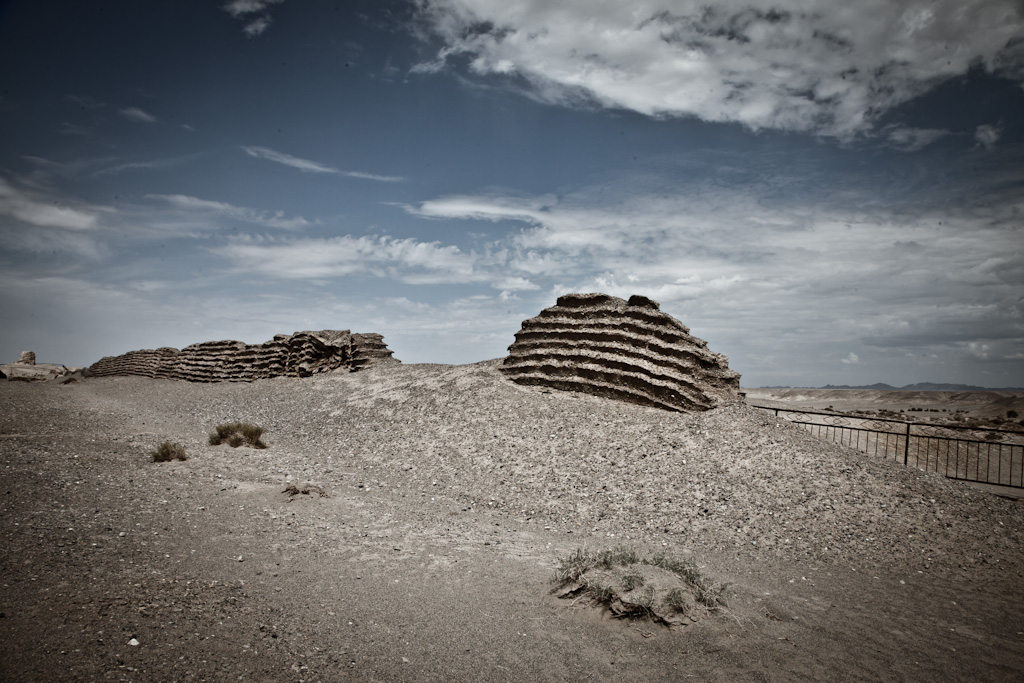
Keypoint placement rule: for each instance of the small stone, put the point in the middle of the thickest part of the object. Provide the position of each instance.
(133, 642)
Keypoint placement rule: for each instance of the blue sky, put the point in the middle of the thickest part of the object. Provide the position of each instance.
(825, 192)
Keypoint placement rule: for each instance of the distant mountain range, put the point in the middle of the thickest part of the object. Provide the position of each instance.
(920, 386)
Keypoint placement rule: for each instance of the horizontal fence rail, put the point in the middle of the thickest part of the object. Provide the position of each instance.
(988, 456)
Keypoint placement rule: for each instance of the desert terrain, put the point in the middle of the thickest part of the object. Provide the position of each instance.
(917, 405)
(441, 499)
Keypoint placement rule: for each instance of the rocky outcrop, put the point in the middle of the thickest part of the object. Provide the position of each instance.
(296, 355)
(628, 350)
(27, 358)
(32, 372)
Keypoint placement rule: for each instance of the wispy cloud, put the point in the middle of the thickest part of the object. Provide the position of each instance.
(288, 160)
(223, 210)
(308, 166)
(137, 115)
(799, 65)
(374, 176)
(407, 260)
(29, 207)
(140, 165)
(68, 128)
(255, 14)
(913, 139)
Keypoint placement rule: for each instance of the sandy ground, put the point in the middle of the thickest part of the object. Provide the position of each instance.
(451, 494)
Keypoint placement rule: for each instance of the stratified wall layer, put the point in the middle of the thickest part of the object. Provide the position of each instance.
(296, 355)
(628, 350)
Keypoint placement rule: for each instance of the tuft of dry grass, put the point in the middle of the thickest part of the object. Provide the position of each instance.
(168, 451)
(236, 434)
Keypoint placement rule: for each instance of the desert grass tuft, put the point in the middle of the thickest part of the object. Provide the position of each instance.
(576, 568)
(631, 580)
(236, 434)
(676, 599)
(168, 451)
(705, 590)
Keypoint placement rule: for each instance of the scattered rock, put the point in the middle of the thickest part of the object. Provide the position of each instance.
(27, 357)
(307, 490)
(25, 372)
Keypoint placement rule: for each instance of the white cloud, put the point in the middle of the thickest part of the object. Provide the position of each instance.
(407, 260)
(851, 359)
(256, 27)
(255, 14)
(987, 136)
(308, 166)
(288, 160)
(241, 8)
(270, 219)
(802, 65)
(137, 115)
(913, 139)
(515, 284)
(41, 211)
(373, 176)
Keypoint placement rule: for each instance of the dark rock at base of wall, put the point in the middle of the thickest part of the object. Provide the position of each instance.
(628, 350)
(297, 355)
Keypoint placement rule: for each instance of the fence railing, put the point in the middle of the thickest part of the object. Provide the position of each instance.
(952, 450)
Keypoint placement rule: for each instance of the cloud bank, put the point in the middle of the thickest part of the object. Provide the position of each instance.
(794, 65)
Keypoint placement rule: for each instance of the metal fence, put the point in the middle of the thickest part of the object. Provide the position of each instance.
(989, 456)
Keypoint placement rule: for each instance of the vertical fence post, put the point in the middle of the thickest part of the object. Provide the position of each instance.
(906, 445)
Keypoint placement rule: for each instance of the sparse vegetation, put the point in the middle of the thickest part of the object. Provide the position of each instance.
(631, 580)
(705, 591)
(590, 573)
(236, 434)
(168, 451)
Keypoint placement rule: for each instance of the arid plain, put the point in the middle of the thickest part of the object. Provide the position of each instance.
(451, 494)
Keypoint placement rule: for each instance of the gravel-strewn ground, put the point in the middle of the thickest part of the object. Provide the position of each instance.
(450, 494)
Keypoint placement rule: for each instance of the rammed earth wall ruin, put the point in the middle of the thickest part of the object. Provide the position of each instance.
(296, 355)
(628, 350)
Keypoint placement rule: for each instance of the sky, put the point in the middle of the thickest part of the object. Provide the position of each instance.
(827, 193)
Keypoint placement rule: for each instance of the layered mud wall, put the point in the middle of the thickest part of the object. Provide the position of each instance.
(628, 350)
(296, 355)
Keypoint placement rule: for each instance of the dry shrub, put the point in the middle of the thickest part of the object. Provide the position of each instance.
(168, 451)
(236, 434)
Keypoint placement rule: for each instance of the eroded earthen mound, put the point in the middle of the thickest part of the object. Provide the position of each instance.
(296, 355)
(629, 350)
